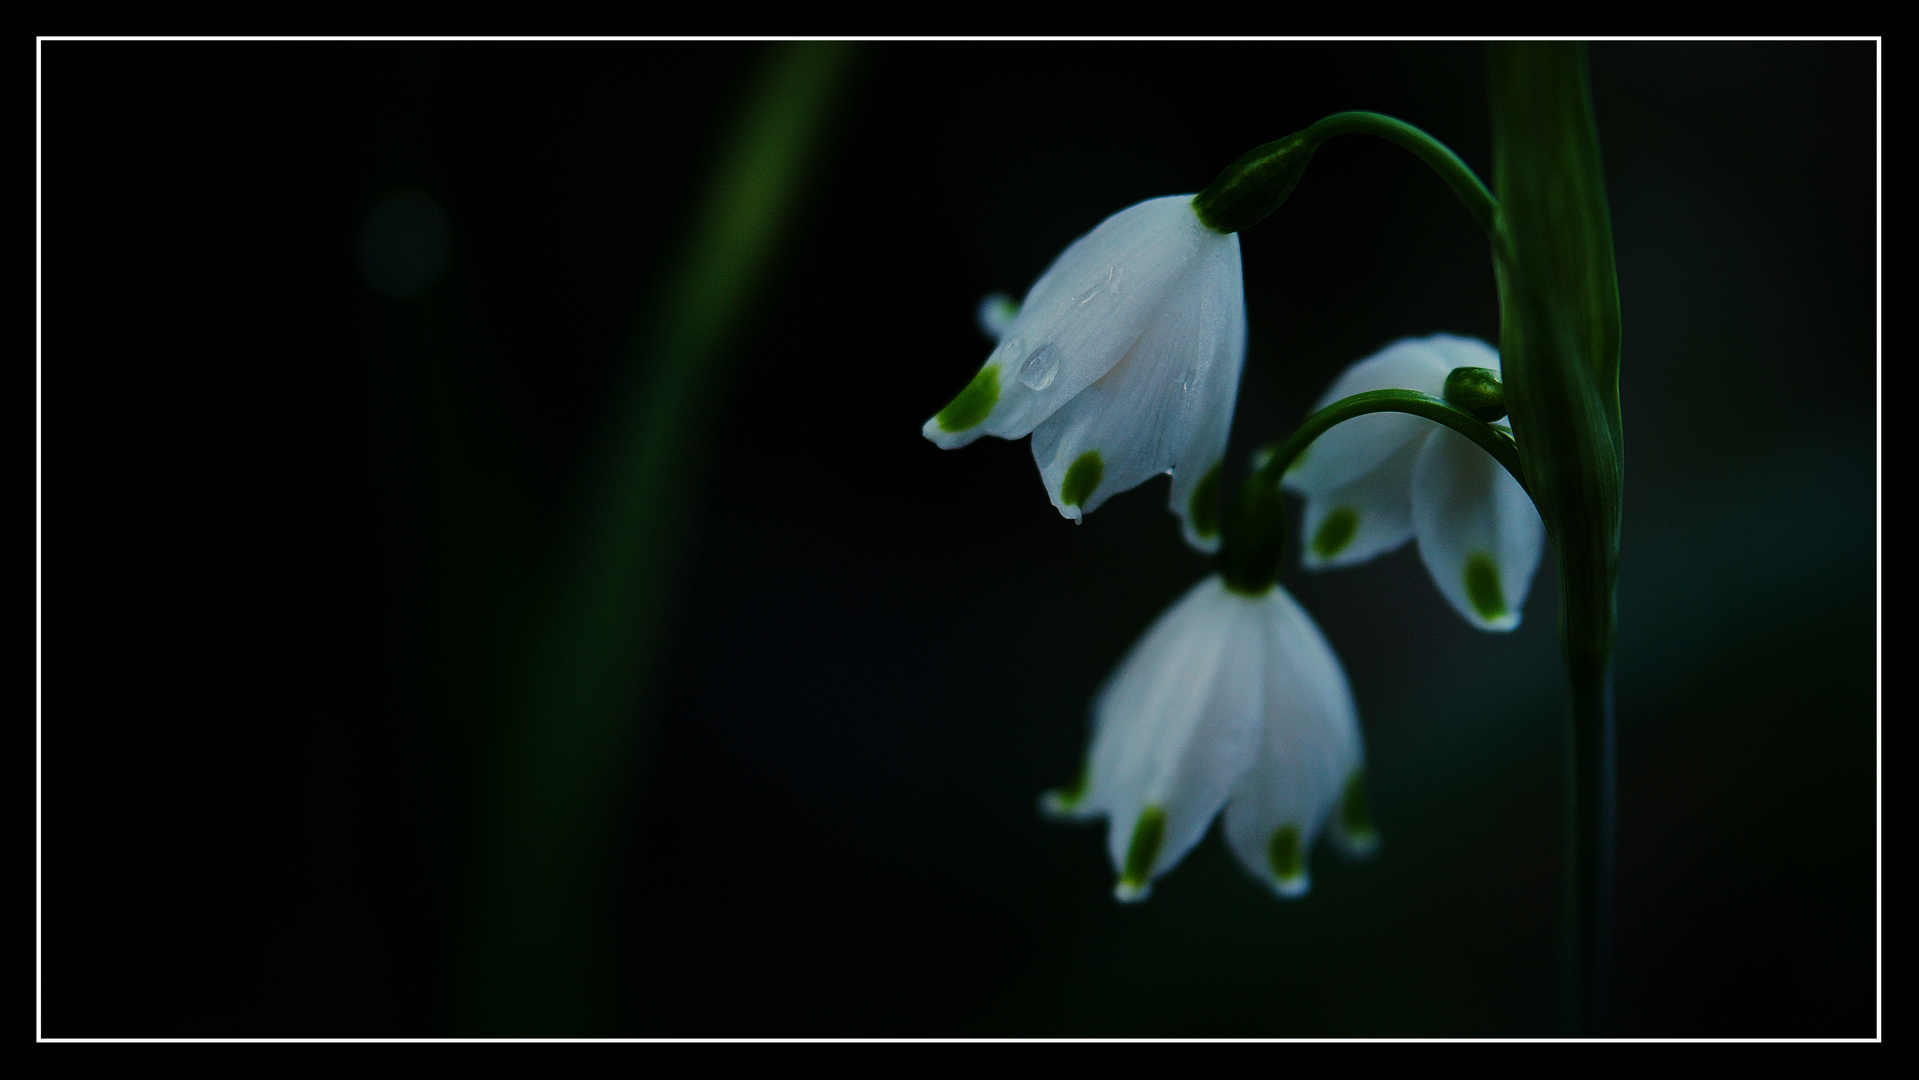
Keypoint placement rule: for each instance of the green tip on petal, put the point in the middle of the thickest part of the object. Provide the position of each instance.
(1336, 532)
(1356, 817)
(1204, 508)
(1141, 853)
(1482, 587)
(1082, 478)
(1064, 802)
(1060, 804)
(1287, 857)
(972, 404)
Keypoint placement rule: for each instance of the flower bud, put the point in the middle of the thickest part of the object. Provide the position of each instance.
(1477, 392)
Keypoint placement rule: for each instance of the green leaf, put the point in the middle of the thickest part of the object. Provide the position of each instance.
(1559, 318)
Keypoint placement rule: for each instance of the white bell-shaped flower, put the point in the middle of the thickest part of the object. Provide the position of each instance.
(1376, 481)
(1123, 363)
(1228, 700)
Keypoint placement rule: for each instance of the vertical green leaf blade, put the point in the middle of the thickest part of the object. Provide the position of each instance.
(1559, 300)
(1553, 194)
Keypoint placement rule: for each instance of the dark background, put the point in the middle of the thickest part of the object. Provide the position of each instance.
(289, 525)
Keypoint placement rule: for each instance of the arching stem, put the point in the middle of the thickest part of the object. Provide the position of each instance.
(1495, 441)
(1437, 155)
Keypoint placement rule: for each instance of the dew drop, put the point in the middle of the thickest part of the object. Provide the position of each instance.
(1038, 370)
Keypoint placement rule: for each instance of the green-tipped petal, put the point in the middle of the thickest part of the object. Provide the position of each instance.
(1364, 519)
(1309, 745)
(1175, 727)
(1201, 507)
(1353, 826)
(1069, 803)
(968, 409)
(1142, 855)
(1087, 311)
(1286, 861)
(1167, 405)
(1479, 534)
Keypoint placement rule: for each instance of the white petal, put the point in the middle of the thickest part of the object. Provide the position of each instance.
(1166, 405)
(1458, 352)
(1366, 518)
(1178, 723)
(1224, 312)
(1478, 531)
(1358, 446)
(1309, 748)
(1083, 315)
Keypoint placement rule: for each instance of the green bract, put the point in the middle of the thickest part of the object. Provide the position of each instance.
(1256, 185)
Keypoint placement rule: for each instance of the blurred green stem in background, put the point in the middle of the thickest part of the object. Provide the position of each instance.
(1559, 352)
(540, 945)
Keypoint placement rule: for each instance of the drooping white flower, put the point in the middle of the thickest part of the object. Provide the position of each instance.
(1228, 700)
(1123, 363)
(1376, 481)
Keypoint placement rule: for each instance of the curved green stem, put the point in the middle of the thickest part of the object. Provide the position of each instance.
(1494, 441)
(1262, 179)
(1437, 155)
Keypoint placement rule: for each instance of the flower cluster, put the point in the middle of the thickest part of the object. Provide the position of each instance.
(1228, 700)
(1123, 362)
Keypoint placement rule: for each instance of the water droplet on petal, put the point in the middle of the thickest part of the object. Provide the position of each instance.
(1038, 370)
